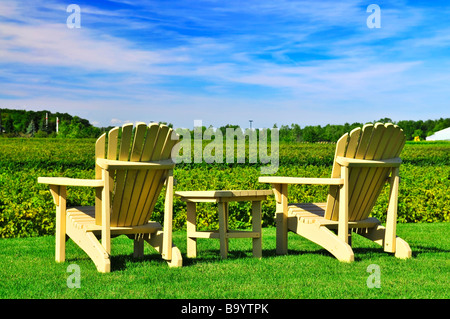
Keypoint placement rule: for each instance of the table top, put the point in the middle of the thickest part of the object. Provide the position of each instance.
(223, 195)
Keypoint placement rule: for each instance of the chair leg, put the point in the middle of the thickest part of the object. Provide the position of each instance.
(60, 238)
(328, 240)
(156, 241)
(59, 195)
(378, 235)
(177, 260)
(91, 246)
(402, 249)
(166, 251)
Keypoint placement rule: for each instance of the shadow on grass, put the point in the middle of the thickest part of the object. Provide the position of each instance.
(207, 256)
(122, 262)
(417, 250)
(213, 256)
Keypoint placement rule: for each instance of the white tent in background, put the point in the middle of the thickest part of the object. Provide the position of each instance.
(443, 135)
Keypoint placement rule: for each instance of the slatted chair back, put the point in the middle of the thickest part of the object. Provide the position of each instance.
(135, 192)
(372, 142)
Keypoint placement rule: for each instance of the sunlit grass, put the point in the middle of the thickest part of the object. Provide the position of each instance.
(28, 270)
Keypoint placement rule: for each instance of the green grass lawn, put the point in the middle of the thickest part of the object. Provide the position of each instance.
(28, 270)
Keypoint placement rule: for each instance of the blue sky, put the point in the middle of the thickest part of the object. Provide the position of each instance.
(226, 61)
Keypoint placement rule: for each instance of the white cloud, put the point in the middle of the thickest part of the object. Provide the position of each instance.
(118, 122)
(56, 45)
(272, 61)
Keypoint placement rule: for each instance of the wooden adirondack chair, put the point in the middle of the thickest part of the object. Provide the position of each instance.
(130, 173)
(364, 161)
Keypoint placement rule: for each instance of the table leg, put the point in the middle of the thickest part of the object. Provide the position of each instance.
(223, 228)
(191, 219)
(256, 227)
(281, 218)
(138, 246)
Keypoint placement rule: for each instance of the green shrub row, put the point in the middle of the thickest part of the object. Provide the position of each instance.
(27, 209)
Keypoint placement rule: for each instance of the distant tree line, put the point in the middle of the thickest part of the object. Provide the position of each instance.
(15, 123)
(331, 133)
(43, 124)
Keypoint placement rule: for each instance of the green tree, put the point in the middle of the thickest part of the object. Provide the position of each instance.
(311, 134)
(418, 133)
(9, 125)
(296, 132)
(31, 129)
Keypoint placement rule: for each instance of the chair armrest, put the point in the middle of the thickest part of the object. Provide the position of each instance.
(300, 180)
(353, 162)
(65, 181)
(113, 164)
